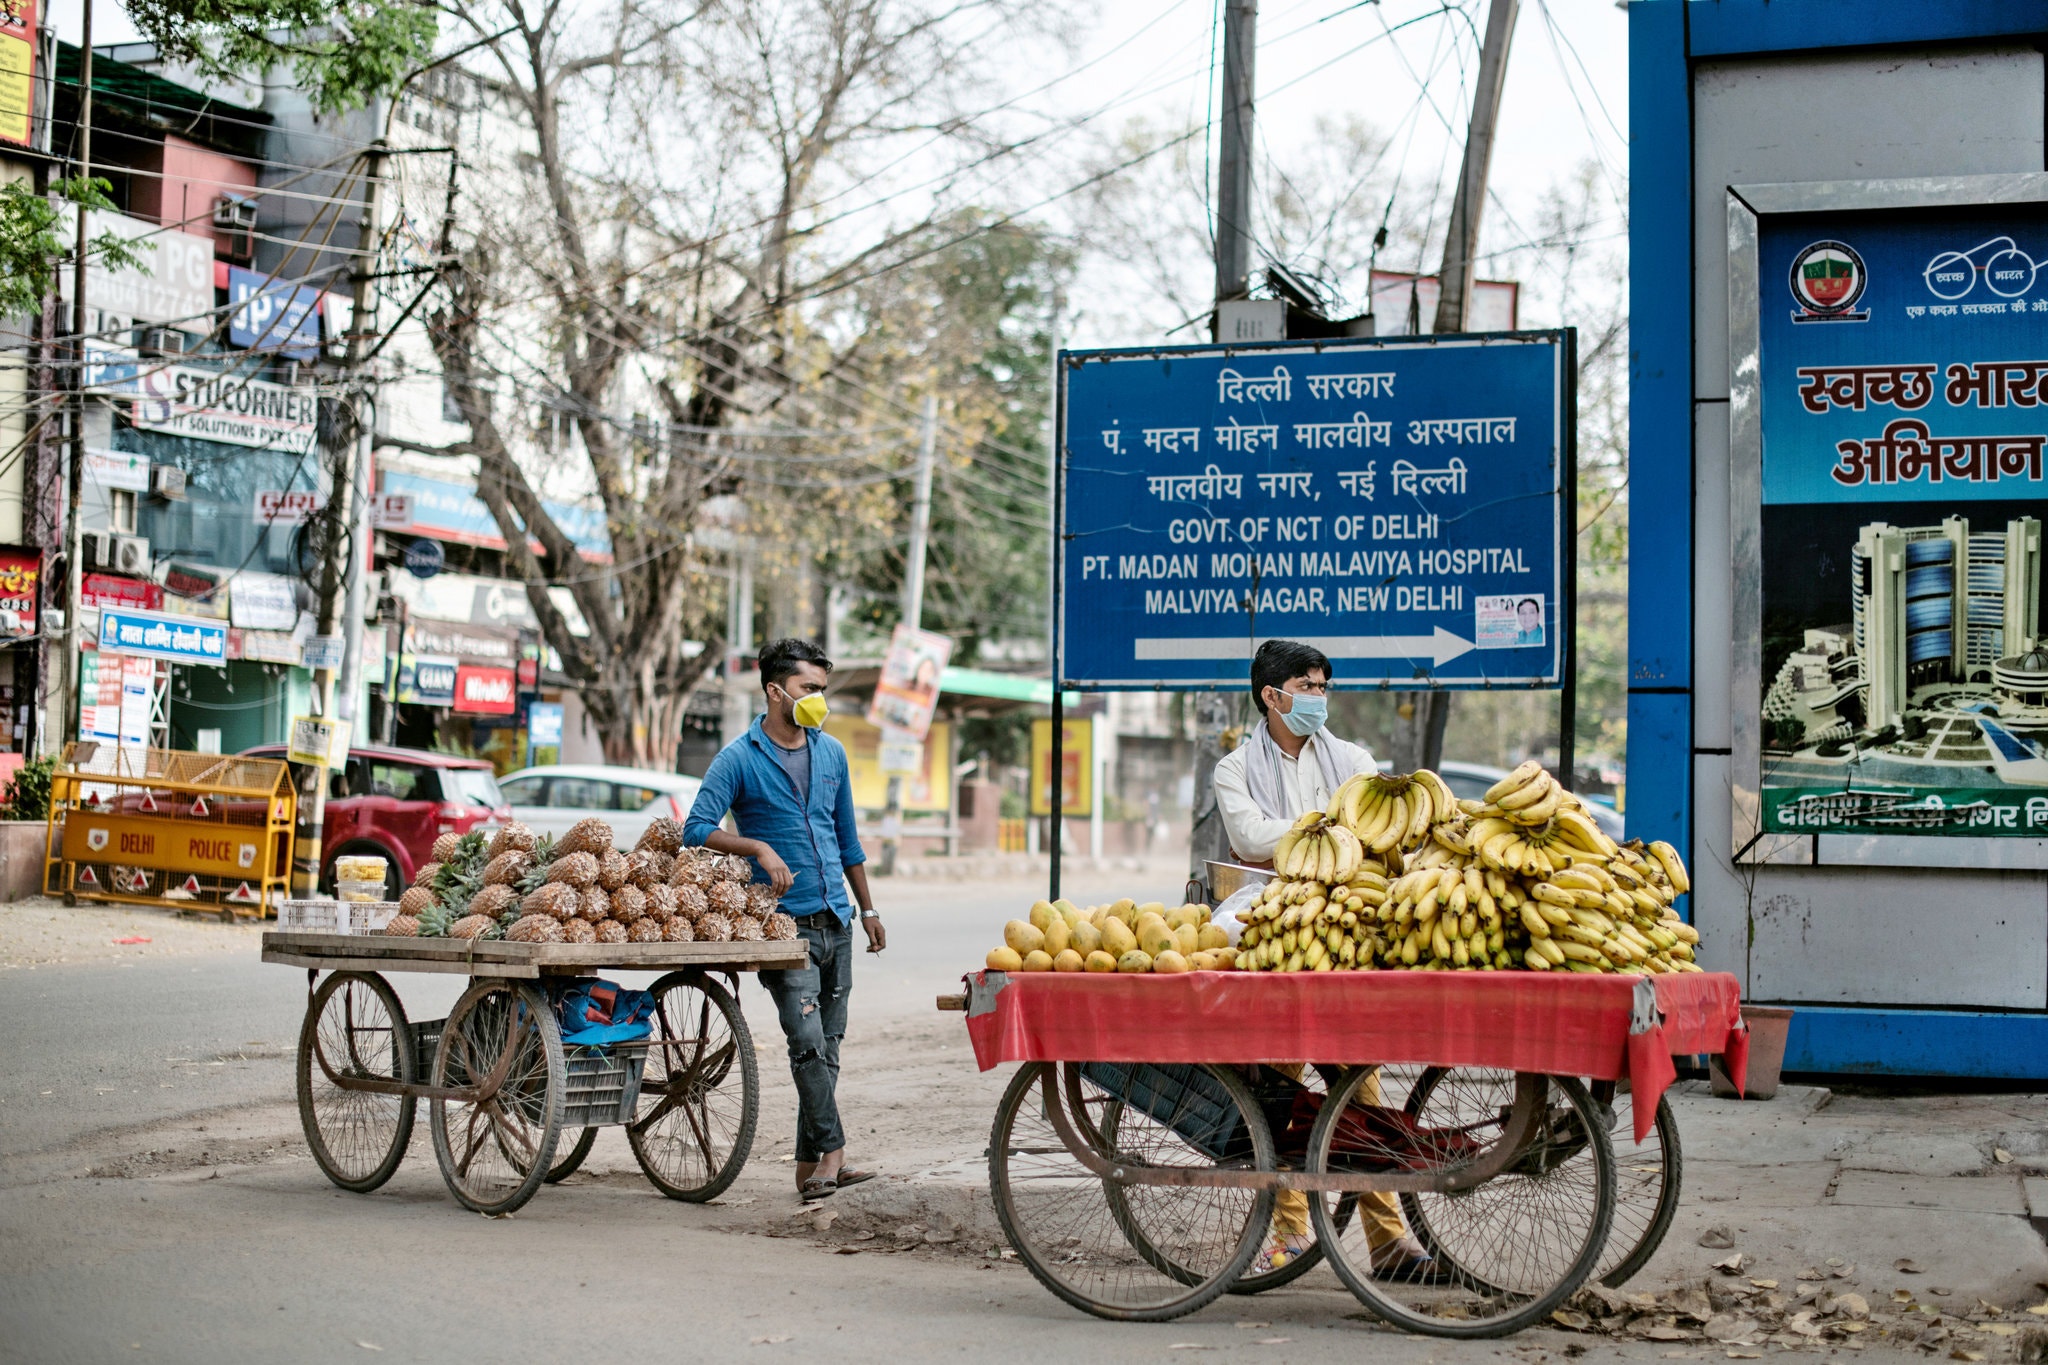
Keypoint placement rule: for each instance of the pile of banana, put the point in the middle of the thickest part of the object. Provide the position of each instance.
(1398, 873)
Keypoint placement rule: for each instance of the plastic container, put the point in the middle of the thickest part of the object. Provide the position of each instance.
(335, 917)
(356, 891)
(357, 867)
(604, 1084)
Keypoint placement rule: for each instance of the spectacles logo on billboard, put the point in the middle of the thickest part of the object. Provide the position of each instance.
(2006, 270)
(1828, 278)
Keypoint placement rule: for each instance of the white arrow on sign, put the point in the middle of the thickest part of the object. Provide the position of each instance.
(1440, 648)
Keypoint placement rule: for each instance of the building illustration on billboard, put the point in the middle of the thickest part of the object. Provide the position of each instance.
(1938, 679)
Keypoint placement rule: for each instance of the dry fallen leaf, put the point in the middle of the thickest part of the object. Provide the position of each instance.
(1565, 1317)
(2001, 1329)
(1717, 1238)
(768, 1341)
(1745, 1355)
(1998, 1154)
(1906, 1266)
(2039, 1310)
(1253, 1326)
(369, 1346)
(1965, 1355)
(1730, 1265)
(1765, 1284)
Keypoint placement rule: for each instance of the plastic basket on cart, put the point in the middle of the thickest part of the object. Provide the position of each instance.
(426, 1041)
(335, 917)
(603, 1084)
(1183, 1097)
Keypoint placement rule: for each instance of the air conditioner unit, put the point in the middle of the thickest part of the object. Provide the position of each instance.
(161, 341)
(234, 225)
(167, 481)
(131, 555)
(99, 551)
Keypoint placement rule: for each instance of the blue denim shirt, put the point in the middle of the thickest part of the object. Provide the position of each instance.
(817, 841)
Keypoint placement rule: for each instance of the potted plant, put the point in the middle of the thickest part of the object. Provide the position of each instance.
(24, 813)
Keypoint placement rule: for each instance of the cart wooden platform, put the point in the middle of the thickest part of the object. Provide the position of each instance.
(1140, 1158)
(500, 1085)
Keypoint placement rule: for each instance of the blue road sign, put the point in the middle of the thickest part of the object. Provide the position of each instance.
(1401, 504)
(424, 558)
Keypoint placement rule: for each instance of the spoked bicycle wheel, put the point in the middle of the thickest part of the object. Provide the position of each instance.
(700, 1095)
(1647, 1177)
(1508, 1249)
(496, 1149)
(356, 1025)
(567, 1166)
(1073, 1228)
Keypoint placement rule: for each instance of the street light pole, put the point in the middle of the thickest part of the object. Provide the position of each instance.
(71, 699)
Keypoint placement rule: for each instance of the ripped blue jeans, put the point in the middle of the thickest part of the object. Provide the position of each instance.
(812, 1004)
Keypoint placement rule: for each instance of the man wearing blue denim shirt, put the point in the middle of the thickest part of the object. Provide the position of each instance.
(786, 783)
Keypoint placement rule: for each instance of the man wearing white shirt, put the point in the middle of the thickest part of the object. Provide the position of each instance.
(1285, 766)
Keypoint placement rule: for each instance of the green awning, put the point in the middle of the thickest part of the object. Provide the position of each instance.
(976, 682)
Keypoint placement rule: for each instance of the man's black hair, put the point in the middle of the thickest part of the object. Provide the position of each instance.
(1529, 602)
(780, 658)
(1279, 660)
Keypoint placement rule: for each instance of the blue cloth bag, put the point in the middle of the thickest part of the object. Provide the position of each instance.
(594, 1012)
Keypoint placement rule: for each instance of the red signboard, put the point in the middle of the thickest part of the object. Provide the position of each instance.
(106, 590)
(21, 578)
(17, 71)
(485, 691)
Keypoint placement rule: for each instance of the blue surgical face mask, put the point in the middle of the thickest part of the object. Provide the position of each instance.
(1308, 713)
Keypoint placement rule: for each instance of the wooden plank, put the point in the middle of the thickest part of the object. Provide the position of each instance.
(518, 971)
(488, 957)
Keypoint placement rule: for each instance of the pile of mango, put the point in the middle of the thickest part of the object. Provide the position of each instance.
(1123, 936)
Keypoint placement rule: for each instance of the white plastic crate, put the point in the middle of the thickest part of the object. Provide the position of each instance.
(335, 917)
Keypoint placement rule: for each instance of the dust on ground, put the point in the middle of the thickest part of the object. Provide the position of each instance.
(42, 932)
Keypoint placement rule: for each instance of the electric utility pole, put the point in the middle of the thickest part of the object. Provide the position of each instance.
(346, 438)
(1420, 733)
(1207, 839)
(71, 699)
(913, 606)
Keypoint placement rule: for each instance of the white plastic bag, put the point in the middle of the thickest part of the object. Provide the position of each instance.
(1238, 902)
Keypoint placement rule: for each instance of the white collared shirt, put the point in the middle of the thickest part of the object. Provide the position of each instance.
(1254, 832)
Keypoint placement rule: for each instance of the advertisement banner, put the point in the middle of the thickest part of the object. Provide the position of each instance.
(271, 316)
(907, 692)
(107, 590)
(485, 691)
(426, 680)
(1904, 363)
(927, 786)
(180, 639)
(174, 286)
(211, 406)
(1076, 764)
(17, 71)
(21, 580)
(262, 601)
(1375, 498)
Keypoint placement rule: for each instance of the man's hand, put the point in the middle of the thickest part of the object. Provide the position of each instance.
(779, 875)
(878, 937)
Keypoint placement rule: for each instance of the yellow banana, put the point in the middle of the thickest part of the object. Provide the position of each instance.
(1514, 781)
(1579, 952)
(1553, 895)
(1525, 796)
(1350, 853)
(1535, 961)
(1537, 926)
(1342, 796)
(1674, 866)
(1551, 949)
(1681, 931)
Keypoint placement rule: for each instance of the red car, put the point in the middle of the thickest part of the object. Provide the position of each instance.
(395, 802)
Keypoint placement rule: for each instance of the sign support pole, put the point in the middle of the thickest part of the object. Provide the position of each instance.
(1056, 780)
(1568, 609)
(913, 608)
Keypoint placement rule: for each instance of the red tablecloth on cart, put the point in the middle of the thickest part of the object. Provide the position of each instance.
(1603, 1027)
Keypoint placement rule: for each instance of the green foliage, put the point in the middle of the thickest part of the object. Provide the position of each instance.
(343, 53)
(32, 239)
(28, 794)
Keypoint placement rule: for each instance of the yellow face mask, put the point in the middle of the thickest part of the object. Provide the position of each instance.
(809, 712)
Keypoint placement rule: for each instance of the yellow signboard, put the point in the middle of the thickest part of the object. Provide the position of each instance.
(313, 740)
(212, 850)
(1076, 757)
(928, 788)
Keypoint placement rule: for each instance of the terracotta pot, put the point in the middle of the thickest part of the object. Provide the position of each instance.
(1768, 1026)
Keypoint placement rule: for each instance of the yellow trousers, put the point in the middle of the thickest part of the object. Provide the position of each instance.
(1378, 1213)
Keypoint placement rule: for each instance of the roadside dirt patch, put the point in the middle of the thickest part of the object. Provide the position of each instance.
(44, 932)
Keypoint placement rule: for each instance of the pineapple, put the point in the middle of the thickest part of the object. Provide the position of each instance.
(578, 931)
(747, 929)
(403, 926)
(494, 900)
(507, 868)
(543, 859)
(678, 931)
(665, 834)
(612, 870)
(444, 847)
(727, 898)
(514, 836)
(714, 928)
(629, 903)
(456, 885)
(651, 869)
(553, 900)
(592, 836)
(661, 901)
(428, 871)
(644, 931)
(593, 904)
(577, 869)
(535, 929)
(414, 899)
(474, 926)
(610, 931)
(780, 928)
(435, 920)
(691, 903)
(736, 869)
(761, 899)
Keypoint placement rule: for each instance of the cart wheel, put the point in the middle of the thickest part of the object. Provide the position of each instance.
(1646, 1182)
(695, 1123)
(1507, 1251)
(501, 1037)
(1257, 1281)
(569, 1164)
(359, 1029)
(1072, 1229)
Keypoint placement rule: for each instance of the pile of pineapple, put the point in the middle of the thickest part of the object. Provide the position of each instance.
(579, 889)
(1122, 936)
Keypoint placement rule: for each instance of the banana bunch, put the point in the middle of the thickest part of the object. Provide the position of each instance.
(1590, 918)
(1319, 848)
(1388, 813)
(1301, 924)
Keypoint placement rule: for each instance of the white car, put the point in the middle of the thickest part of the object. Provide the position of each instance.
(551, 799)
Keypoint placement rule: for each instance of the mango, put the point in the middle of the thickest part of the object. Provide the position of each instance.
(1136, 960)
(1153, 935)
(1176, 917)
(1168, 962)
(1188, 939)
(1228, 957)
(1023, 938)
(1042, 914)
(1199, 912)
(1067, 961)
(1204, 962)
(1099, 961)
(1152, 908)
(1004, 960)
(1069, 914)
(1067, 907)
(1098, 916)
(1212, 936)
(1085, 939)
(1037, 961)
(1125, 910)
(1057, 936)
(1117, 938)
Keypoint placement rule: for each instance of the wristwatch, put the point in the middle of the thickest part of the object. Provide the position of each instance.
(870, 914)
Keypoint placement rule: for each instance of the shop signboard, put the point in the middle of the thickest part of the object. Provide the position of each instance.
(21, 580)
(264, 646)
(272, 316)
(391, 511)
(262, 601)
(286, 506)
(177, 639)
(478, 644)
(17, 71)
(424, 558)
(324, 652)
(426, 680)
(212, 405)
(114, 695)
(544, 723)
(927, 785)
(907, 692)
(316, 740)
(1077, 767)
(174, 285)
(485, 691)
(1902, 690)
(117, 469)
(110, 368)
(1382, 500)
(108, 590)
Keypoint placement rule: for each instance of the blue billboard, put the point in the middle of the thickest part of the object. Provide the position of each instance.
(1401, 504)
(152, 635)
(283, 319)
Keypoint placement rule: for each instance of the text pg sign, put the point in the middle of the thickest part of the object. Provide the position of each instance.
(1400, 504)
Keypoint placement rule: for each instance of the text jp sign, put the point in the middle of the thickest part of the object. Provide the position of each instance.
(1400, 504)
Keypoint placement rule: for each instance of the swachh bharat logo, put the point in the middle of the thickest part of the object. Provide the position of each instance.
(1827, 280)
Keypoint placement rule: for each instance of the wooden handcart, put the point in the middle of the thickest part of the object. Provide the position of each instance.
(1142, 1182)
(501, 1087)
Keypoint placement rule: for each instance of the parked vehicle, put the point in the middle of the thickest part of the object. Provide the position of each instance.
(393, 803)
(553, 798)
